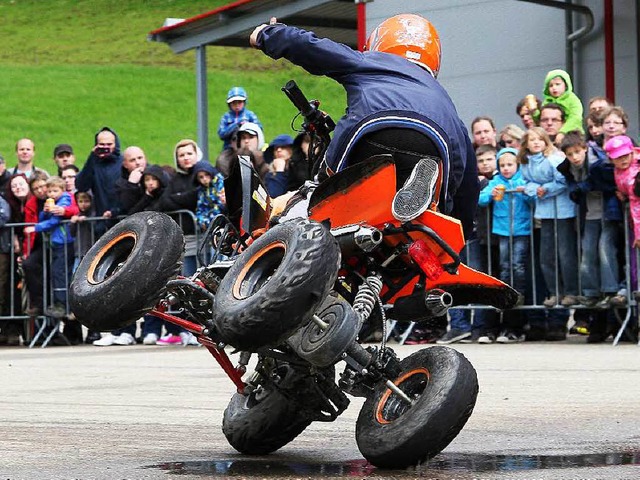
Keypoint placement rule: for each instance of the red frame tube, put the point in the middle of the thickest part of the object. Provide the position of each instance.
(361, 13)
(234, 373)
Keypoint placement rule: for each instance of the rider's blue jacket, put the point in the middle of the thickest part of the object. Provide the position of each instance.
(384, 90)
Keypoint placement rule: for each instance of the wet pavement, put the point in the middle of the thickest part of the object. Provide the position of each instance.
(544, 411)
(442, 466)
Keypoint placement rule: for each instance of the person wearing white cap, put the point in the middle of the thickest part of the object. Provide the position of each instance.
(249, 141)
(236, 116)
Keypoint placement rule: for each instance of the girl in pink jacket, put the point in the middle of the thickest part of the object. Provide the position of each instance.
(625, 160)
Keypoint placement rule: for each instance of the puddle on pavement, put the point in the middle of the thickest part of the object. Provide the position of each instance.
(453, 463)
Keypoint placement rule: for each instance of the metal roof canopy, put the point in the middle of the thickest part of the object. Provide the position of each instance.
(232, 24)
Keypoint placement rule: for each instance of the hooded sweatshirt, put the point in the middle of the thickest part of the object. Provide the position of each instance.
(181, 192)
(146, 201)
(210, 202)
(100, 175)
(569, 101)
(511, 215)
(625, 180)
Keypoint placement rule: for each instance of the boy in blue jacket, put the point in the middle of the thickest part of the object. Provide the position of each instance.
(511, 223)
(62, 254)
(235, 116)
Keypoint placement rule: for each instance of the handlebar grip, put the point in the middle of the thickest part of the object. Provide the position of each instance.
(298, 99)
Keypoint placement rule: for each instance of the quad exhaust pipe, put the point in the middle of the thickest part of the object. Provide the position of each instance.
(438, 302)
(357, 237)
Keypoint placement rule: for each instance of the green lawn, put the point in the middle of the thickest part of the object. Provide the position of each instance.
(67, 68)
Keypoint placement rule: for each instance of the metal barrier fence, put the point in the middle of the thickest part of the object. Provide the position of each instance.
(628, 281)
(36, 272)
(35, 326)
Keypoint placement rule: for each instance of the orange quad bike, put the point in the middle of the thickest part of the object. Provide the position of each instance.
(292, 290)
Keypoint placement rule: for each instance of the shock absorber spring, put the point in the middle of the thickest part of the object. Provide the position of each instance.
(367, 296)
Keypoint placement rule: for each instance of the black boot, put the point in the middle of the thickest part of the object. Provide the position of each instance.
(73, 331)
(92, 336)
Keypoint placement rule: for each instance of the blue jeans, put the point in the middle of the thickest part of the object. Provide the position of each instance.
(567, 273)
(62, 258)
(475, 256)
(599, 270)
(513, 263)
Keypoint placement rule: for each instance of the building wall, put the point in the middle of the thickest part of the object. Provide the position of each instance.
(497, 51)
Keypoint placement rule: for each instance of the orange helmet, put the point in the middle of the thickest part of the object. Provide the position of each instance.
(410, 36)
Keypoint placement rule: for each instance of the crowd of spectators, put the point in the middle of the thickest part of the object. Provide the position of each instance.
(76, 206)
(550, 221)
(543, 187)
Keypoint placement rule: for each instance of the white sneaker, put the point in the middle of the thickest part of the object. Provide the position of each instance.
(150, 339)
(106, 340)
(124, 339)
(189, 339)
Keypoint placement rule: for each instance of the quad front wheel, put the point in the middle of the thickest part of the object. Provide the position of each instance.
(125, 272)
(442, 385)
(276, 284)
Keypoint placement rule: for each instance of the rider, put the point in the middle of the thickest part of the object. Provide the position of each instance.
(396, 106)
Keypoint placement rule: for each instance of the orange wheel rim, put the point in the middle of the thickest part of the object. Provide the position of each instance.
(380, 410)
(259, 255)
(102, 254)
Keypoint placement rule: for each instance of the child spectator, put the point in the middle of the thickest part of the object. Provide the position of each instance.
(625, 160)
(475, 255)
(211, 199)
(61, 244)
(600, 209)
(511, 223)
(236, 116)
(559, 89)
(595, 135)
(69, 173)
(556, 213)
(154, 181)
(277, 157)
(80, 229)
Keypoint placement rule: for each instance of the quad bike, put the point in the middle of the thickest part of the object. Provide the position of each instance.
(295, 291)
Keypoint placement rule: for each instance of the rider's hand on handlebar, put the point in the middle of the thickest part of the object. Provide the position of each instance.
(253, 39)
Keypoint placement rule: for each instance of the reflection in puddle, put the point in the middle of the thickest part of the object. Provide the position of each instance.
(276, 468)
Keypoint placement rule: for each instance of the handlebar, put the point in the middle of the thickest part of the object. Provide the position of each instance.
(299, 101)
(317, 123)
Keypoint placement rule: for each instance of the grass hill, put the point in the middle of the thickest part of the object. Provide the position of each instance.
(69, 67)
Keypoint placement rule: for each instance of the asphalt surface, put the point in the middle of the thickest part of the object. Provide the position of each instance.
(544, 411)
